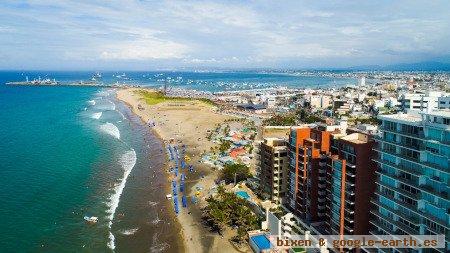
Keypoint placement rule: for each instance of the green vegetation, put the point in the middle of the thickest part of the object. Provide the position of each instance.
(281, 120)
(227, 209)
(291, 119)
(306, 117)
(226, 130)
(224, 146)
(370, 120)
(207, 101)
(241, 171)
(156, 97)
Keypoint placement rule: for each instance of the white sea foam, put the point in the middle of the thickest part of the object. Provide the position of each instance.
(130, 231)
(103, 93)
(91, 102)
(121, 114)
(96, 115)
(127, 161)
(113, 106)
(111, 129)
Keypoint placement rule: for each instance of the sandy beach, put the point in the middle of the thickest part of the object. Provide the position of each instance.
(186, 121)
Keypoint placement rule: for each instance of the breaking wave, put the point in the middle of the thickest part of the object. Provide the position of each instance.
(127, 161)
(111, 129)
(96, 115)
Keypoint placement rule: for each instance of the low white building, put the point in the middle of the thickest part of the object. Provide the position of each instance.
(444, 102)
(420, 101)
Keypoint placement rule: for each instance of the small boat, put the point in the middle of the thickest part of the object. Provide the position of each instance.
(169, 196)
(91, 219)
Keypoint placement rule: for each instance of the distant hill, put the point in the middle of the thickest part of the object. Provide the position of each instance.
(418, 66)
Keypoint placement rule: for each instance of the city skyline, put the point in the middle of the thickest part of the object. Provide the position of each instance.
(138, 35)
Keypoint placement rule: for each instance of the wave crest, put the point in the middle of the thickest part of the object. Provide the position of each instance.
(96, 115)
(111, 129)
(127, 161)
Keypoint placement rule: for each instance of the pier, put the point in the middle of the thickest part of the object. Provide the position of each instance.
(79, 84)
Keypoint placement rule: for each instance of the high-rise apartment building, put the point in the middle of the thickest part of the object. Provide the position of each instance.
(308, 150)
(350, 184)
(272, 168)
(412, 192)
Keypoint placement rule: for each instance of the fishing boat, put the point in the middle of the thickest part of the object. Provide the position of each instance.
(91, 219)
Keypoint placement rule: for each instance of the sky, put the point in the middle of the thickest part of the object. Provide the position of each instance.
(145, 35)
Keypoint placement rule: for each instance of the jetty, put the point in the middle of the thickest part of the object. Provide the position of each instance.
(74, 84)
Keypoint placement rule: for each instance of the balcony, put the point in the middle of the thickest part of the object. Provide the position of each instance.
(398, 213)
(412, 183)
(419, 135)
(414, 209)
(431, 190)
(416, 196)
(399, 167)
(349, 213)
(403, 144)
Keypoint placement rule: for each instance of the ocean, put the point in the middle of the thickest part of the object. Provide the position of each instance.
(70, 152)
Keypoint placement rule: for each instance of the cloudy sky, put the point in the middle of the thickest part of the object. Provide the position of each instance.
(148, 34)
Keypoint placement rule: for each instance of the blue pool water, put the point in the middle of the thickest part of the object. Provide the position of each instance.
(243, 194)
(261, 242)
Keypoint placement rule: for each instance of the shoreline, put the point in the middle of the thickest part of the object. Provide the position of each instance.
(195, 236)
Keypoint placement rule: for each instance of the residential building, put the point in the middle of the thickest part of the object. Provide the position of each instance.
(444, 102)
(273, 167)
(350, 184)
(318, 101)
(412, 193)
(420, 101)
(309, 146)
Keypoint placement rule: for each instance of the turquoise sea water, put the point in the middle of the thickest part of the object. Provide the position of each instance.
(67, 152)
(205, 81)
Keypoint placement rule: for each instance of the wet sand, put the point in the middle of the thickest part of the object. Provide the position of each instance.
(142, 223)
(187, 122)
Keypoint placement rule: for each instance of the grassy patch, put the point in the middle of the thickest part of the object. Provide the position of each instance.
(156, 97)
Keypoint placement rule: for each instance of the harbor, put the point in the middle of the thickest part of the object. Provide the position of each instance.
(76, 84)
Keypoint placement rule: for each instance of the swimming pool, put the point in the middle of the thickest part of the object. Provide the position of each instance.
(243, 194)
(260, 242)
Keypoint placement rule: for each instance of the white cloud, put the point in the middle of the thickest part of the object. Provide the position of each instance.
(144, 50)
(237, 33)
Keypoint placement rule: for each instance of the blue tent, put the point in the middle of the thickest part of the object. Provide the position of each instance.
(184, 201)
(175, 202)
(181, 186)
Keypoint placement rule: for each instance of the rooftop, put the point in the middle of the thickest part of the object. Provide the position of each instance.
(357, 138)
(405, 117)
(439, 113)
